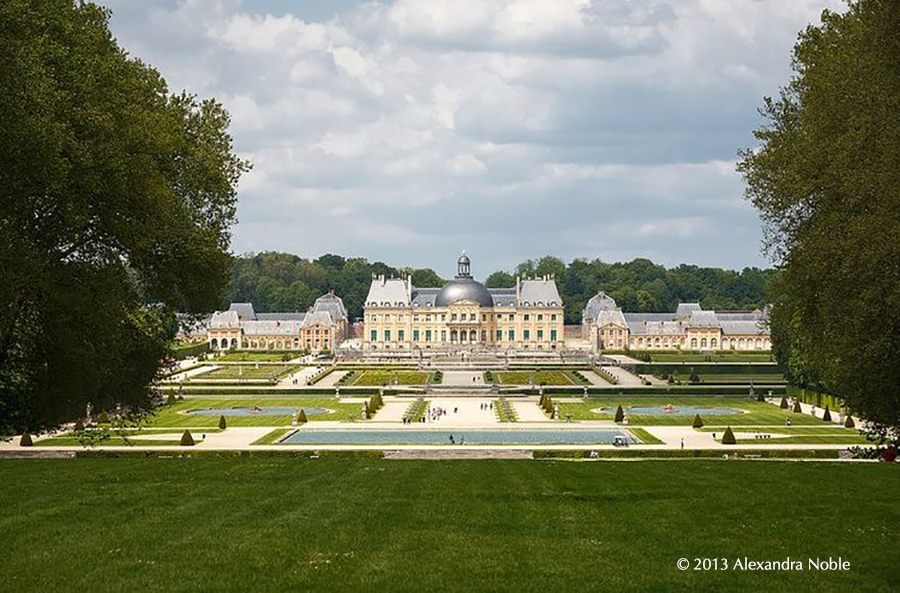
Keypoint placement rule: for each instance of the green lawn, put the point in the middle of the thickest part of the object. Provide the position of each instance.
(360, 524)
(123, 438)
(373, 378)
(539, 377)
(169, 415)
(756, 413)
(272, 437)
(826, 429)
(268, 372)
(759, 379)
(645, 437)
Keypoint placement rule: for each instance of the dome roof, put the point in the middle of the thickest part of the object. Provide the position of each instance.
(464, 289)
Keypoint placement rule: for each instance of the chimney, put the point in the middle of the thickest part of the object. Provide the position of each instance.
(518, 288)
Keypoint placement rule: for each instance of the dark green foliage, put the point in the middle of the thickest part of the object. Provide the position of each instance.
(698, 422)
(301, 417)
(825, 180)
(283, 282)
(827, 415)
(620, 414)
(784, 403)
(728, 437)
(103, 418)
(695, 378)
(186, 439)
(222, 423)
(849, 423)
(170, 399)
(797, 407)
(116, 202)
(79, 426)
(25, 441)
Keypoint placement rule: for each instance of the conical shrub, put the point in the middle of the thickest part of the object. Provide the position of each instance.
(186, 439)
(171, 399)
(797, 407)
(25, 441)
(301, 417)
(698, 422)
(620, 414)
(728, 437)
(222, 423)
(103, 418)
(79, 426)
(849, 423)
(695, 378)
(827, 415)
(784, 404)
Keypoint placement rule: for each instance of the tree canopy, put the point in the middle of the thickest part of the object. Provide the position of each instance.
(285, 282)
(826, 181)
(116, 200)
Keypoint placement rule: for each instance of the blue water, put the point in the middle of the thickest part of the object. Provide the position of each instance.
(264, 411)
(442, 437)
(677, 410)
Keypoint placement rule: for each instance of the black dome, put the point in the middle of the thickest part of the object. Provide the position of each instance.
(464, 289)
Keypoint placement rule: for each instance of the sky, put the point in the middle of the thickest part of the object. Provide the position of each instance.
(405, 131)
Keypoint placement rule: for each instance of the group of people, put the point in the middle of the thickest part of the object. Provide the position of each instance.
(487, 406)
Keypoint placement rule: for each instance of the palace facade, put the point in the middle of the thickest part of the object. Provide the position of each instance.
(463, 313)
(323, 327)
(688, 328)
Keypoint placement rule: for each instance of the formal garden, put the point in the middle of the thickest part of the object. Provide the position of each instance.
(247, 372)
(537, 377)
(374, 378)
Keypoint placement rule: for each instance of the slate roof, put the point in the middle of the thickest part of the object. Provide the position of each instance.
(387, 292)
(244, 310)
(333, 304)
(271, 328)
(599, 302)
(539, 293)
(225, 320)
(684, 310)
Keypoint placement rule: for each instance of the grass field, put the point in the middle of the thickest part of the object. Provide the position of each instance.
(759, 379)
(330, 524)
(256, 356)
(374, 378)
(756, 413)
(539, 377)
(123, 438)
(645, 437)
(169, 415)
(268, 372)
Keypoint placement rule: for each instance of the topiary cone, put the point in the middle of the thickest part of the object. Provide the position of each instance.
(797, 407)
(25, 441)
(728, 437)
(79, 426)
(222, 423)
(849, 423)
(827, 415)
(301, 417)
(620, 413)
(171, 399)
(784, 404)
(186, 439)
(698, 422)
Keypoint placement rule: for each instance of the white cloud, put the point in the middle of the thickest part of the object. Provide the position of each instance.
(517, 127)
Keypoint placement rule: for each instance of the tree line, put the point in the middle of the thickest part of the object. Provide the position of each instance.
(284, 282)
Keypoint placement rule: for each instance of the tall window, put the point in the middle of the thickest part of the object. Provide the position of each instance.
(512, 316)
(527, 317)
(415, 335)
(427, 335)
(540, 334)
(552, 335)
(499, 335)
(540, 316)
(453, 317)
(374, 335)
(512, 335)
(526, 335)
(443, 335)
(553, 317)
(387, 335)
(400, 335)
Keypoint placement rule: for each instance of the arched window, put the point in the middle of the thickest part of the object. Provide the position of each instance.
(214, 344)
(703, 343)
(713, 343)
(234, 343)
(694, 343)
(473, 336)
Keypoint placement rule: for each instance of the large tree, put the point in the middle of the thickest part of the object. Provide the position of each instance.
(826, 180)
(116, 199)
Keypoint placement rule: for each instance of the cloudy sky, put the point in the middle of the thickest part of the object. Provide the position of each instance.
(406, 130)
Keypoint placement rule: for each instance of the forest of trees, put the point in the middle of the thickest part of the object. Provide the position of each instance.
(284, 282)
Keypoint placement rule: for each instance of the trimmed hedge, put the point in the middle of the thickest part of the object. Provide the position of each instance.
(301, 417)
(620, 414)
(849, 423)
(26, 441)
(797, 409)
(728, 437)
(180, 352)
(708, 368)
(222, 423)
(552, 454)
(186, 439)
(698, 422)
(827, 415)
(783, 405)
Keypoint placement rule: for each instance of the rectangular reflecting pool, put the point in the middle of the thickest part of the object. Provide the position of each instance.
(443, 437)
